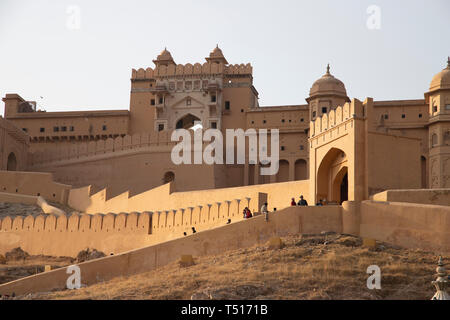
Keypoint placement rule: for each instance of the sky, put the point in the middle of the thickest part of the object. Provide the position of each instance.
(78, 55)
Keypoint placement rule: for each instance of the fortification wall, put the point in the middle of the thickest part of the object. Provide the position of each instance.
(67, 235)
(189, 70)
(242, 234)
(403, 224)
(425, 196)
(409, 225)
(93, 150)
(164, 198)
(34, 184)
(114, 233)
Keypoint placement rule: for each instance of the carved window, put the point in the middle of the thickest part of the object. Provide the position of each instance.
(188, 85)
(179, 85)
(205, 84)
(172, 85)
(197, 85)
(434, 140)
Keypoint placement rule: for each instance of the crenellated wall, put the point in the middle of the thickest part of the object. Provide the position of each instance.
(404, 224)
(67, 235)
(188, 69)
(84, 150)
(112, 233)
(335, 117)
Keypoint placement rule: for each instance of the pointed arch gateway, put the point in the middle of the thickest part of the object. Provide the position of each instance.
(332, 177)
(187, 121)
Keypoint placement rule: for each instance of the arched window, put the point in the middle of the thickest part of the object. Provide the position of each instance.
(434, 140)
(12, 162)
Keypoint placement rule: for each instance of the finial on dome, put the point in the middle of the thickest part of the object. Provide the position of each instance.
(217, 46)
(328, 68)
(448, 62)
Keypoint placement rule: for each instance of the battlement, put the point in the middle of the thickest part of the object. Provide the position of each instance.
(132, 222)
(337, 116)
(197, 69)
(91, 149)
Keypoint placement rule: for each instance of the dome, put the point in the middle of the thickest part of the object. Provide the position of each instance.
(164, 58)
(217, 56)
(442, 79)
(328, 85)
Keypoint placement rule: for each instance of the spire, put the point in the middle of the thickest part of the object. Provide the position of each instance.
(448, 62)
(328, 69)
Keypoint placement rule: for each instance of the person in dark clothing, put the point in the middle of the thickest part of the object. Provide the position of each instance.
(320, 203)
(302, 202)
(293, 203)
(248, 214)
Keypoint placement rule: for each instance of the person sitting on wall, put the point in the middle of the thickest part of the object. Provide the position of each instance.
(293, 203)
(265, 211)
(302, 202)
(248, 213)
(320, 203)
(245, 212)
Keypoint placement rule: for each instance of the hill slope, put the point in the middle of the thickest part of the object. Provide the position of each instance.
(308, 267)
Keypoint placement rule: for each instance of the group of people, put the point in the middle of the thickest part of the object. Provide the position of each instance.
(302, 202)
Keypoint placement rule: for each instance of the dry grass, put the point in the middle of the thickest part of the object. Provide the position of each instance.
(306, 268)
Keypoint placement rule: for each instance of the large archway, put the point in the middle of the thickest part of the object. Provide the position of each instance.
(12, 162)
(332, 177)
(187, 122)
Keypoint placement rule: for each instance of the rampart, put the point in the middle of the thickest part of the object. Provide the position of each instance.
(163, 198)
(404, 224)
(424, 196)
(93, 150)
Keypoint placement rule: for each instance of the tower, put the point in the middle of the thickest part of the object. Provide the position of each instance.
(326, 94)
(438, 100)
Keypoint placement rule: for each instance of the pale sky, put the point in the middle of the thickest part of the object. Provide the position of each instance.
(288, 44)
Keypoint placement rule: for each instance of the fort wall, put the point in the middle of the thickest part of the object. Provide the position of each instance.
(242, 234)
(425, 196)
(407, 224)
(404, 224)
(164, 198)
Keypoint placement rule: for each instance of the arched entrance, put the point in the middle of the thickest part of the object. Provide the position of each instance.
(187, 122)
(12, 162)
(340, 186)
(332, 177)
(168, 177)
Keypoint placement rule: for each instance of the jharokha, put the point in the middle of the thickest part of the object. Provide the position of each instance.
(343, 151)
